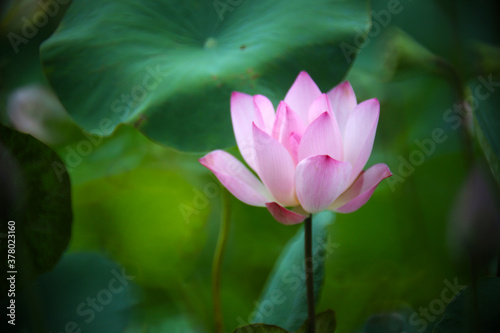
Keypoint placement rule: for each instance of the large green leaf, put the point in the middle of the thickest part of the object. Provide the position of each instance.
(392, 321)
(37, 200)
(473, 310)
(260, 328)
(325, 323)
(284, 300)
(169, 67)
(85, 292)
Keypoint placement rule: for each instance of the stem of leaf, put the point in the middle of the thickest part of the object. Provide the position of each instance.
(217, 262)
(309, 268)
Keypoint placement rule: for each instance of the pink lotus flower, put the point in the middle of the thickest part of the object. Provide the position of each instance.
(310, 154)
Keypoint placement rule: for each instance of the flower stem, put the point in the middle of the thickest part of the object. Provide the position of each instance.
(217, 262)
(309, 268)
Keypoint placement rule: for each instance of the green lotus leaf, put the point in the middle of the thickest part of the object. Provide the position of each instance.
(169, 67)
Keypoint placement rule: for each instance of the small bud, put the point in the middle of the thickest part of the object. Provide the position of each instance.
(474, 224)
(35, 110)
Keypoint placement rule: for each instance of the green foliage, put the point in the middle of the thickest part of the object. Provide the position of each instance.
(102, 302)
(37, 201)
(325, 323)
(171, 70)
(487, 121)
(260, 328)
(476, 308)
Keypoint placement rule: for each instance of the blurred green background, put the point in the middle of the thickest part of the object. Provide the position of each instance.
(142, 203)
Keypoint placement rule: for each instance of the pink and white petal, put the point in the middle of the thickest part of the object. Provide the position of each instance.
(318, 107)
(362, 189)
(267, 115)
(286, 123)
(242, 117)
(236, 178)
(294, 147)
(302, 94)
(360, 134)
(343, 101)
(321, 138)
(283, 215)
(276, 167)
(319, 180)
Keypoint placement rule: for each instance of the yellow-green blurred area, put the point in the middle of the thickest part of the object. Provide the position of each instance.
(150, 209)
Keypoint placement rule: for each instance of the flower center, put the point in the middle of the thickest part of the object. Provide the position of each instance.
(210, 43)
